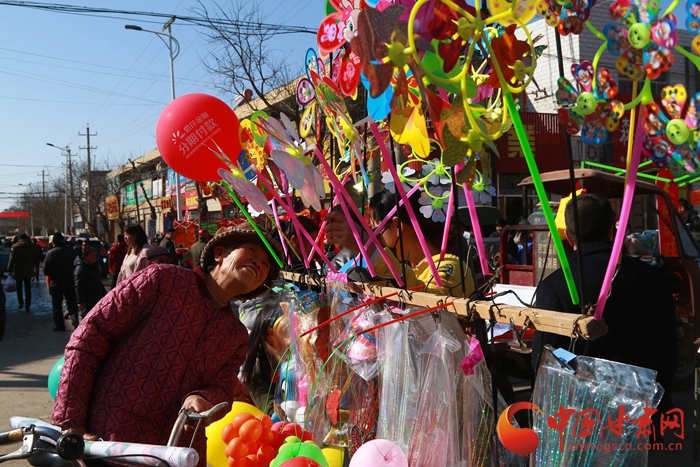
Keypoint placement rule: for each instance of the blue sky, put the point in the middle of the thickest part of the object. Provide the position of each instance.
(59, 72)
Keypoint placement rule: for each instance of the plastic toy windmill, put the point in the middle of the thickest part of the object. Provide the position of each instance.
(593, 111)
(338, 121)
(485, 52)
(391, 76)
(673, 131)
(643, 50)
(291, 157)
(334, 33)
(566, 16)
(692, 23)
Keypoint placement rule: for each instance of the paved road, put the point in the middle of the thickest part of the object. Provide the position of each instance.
(30, 349)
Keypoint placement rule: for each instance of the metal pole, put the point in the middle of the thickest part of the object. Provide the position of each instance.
(173, 55)
(31, 223)
(72, 201)
(178, 195)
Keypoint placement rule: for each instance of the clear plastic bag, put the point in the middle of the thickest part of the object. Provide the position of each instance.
(10, 285)
(435, 439)
(582, 406)
(479, 444)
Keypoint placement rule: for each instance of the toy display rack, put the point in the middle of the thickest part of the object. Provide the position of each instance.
(565, 324)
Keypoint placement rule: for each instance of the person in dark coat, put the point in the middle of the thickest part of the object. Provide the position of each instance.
(21, 268)
(38, 258)
(3, 312)
(88, 281)
(169, 245)
(640, 313)
(59, 267)
(198, 247)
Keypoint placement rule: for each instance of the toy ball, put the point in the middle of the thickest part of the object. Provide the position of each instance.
(216, 448)
(379, 453)
(55, 376)
(190, 128)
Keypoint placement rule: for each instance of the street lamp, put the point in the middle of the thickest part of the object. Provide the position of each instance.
(70, 178)
(174, 52)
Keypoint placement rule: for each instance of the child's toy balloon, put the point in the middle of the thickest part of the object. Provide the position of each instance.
(189, 128)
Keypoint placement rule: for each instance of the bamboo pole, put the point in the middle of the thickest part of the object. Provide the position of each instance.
(553, 322)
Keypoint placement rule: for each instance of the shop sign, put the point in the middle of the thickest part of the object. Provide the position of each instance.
(112, 203)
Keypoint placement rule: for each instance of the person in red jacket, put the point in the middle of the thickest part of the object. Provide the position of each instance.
(115, 258)
(164, 339)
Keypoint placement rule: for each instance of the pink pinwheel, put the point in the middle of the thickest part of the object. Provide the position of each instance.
(243, 187)
(235, 177)
(291, 158)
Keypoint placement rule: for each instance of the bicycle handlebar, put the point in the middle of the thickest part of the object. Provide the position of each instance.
(146, 454)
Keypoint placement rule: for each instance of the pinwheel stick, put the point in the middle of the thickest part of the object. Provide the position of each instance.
(297, 225)
(624, 216)
(388, 217)
(407, 204)
(471, 206)
(358, 238)
(282, 236)
(252, 222)
(542, 195)
(322, 229)
(448, 222)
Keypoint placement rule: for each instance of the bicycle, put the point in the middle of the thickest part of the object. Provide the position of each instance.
(44, 445)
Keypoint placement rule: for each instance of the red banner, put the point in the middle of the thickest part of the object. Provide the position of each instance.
(14, 214)
(667, 241)
(547, 139)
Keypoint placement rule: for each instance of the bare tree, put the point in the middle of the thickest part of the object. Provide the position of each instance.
(47, 208)
(245, 61)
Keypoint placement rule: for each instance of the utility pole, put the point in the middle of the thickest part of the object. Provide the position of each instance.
(70, 177)
(88, 147)
(43, 186)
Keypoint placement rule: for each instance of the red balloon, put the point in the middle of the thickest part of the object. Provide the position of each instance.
(252, 461)
(266, 454)
(250, 431)
(236, 449)
(300, 462)
(189, 127)
(228, 433)
(267, 437)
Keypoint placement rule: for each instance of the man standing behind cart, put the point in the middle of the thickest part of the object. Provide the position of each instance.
(640, 313)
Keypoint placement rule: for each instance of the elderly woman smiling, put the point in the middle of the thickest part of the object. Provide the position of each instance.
(165, 338)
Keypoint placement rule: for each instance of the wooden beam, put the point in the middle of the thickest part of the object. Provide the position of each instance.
(542, 320)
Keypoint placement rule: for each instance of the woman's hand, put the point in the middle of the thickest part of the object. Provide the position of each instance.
(81, 431)
(197, 404)
(338, 231)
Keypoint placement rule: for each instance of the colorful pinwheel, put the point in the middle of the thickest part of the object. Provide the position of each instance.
(673, 134)
(381, 44)
(291, 158)
(643, 50)
(593, 111)
(568, 18)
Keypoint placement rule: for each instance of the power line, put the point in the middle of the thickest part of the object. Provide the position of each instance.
(33, 166)
(246, 26)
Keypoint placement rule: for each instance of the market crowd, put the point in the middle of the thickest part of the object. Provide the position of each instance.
(166, 337)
